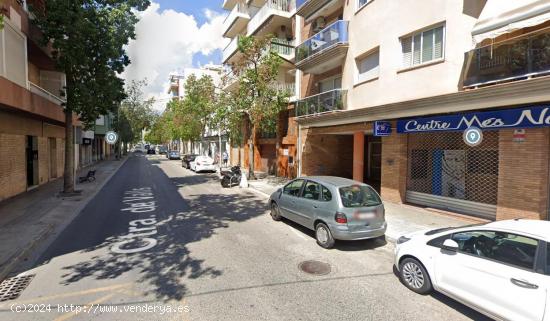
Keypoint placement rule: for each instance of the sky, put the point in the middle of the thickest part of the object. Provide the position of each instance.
(172, 35)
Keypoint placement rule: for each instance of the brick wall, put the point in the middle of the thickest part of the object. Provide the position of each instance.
(43, 160)
(13, 177)
(523, 175)
(327, 155)
(394, 167)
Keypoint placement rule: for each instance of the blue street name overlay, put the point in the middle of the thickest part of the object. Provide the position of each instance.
(536, 116)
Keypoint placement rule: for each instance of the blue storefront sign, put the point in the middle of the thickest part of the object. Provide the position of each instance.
(382, 128)
(536, 116)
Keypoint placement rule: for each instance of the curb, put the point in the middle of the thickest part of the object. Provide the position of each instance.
(45, 238)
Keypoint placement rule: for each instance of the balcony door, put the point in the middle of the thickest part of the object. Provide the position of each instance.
(330, 84)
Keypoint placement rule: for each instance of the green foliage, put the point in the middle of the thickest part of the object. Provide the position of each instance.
(257, 99)
(194, 113)
(1, 22)
(88, 38)
(136, 110)
(162, 128)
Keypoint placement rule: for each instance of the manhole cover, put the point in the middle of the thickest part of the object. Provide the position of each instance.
(11, 288)
(315, 267)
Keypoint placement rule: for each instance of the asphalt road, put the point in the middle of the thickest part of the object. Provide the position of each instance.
(162, 243)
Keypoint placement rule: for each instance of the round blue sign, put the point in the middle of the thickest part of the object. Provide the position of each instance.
(111, 137)
(472, 136)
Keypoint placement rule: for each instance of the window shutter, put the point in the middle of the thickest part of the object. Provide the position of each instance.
(427, 45)
(417, 41)
(369, 66)
(406, 49)
(15, 61)
(438, 43)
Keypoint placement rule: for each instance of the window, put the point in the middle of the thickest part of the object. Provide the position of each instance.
(368, 67)
(312, 191)
(293, 188)
(359, 196)
(361, 3)
(503, 247)
(423, 47)
(327, 195)
(330, 84)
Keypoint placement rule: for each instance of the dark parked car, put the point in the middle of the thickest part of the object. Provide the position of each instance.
(151, 151)
(173, 154)
(187, 159)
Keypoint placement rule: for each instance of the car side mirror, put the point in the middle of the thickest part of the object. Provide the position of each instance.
(450, 245)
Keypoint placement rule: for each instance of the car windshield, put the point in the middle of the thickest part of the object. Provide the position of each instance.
(359, 196)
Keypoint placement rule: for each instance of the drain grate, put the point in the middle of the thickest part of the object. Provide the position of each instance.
(315, 267)
(11, 288)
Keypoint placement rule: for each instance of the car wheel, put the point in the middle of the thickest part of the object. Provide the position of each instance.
(324, 236)
(275, 213)
(414, 276)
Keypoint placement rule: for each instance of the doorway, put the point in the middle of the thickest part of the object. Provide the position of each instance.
(31, 152)
(373, 161)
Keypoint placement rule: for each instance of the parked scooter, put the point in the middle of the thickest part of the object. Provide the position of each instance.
(231, 178)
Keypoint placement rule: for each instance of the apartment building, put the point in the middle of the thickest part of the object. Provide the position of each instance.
(211, 144)
(275, 152)
(389, 87)
(32, 134)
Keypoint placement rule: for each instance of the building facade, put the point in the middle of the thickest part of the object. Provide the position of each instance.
(32, 134)
(449, 66)
(274, 152)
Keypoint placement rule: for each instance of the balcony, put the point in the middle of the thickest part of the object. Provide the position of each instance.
(235, 21)
(518, 58)
(230, 50)
(35, 89)
(328, 101)
(325, 50)
(288, 87)
(229, 4)
(277, 12)
(283, 47)
(312, 9)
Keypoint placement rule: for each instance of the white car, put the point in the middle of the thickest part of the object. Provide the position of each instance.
(501, 269)
(202, 163)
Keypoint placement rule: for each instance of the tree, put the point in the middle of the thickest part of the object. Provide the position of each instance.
(192, 115)
(257, 102)
(136, 109)
(88, 39)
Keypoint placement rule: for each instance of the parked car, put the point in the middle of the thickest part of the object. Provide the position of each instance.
(151, 151)
(187, 159)
(162, 149)
(335, 208)
(500, 269)
(173, 154)
(202, 164)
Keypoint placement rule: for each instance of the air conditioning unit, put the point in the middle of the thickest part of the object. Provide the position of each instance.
(319, 24)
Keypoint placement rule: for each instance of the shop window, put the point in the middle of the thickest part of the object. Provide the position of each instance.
(419, 163)
(483, 162)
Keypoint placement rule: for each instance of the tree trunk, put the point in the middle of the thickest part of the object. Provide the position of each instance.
(251, 142)
(68, 175)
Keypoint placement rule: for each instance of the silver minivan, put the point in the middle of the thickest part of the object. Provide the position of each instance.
(335, 208)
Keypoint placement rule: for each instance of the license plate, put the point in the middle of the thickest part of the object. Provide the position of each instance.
(365, 216)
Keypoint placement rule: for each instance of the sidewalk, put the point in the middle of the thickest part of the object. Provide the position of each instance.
(401, 218)
(34, 218)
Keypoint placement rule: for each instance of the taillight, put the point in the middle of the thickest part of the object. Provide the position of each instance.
(340, 218)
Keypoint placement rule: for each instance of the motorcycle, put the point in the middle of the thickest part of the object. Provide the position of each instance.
(232, 177)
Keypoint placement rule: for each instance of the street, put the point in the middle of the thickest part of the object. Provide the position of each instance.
(160, 242)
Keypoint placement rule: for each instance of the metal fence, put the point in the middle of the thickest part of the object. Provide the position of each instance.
(441, 164)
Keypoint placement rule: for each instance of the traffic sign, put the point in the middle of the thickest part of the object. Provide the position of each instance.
(111, 137)
(472, 136)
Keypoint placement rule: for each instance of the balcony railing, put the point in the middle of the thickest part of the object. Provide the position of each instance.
(321, 103)
(328, 37)
(46, 94)
(288, 87)
(282, 47)
(517, 58)
(239, 10)
(270, 8)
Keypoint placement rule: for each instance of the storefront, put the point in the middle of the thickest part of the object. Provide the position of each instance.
(504, 176)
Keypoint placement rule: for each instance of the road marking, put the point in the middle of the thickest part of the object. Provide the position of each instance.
(65, 295)
(84, 307)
